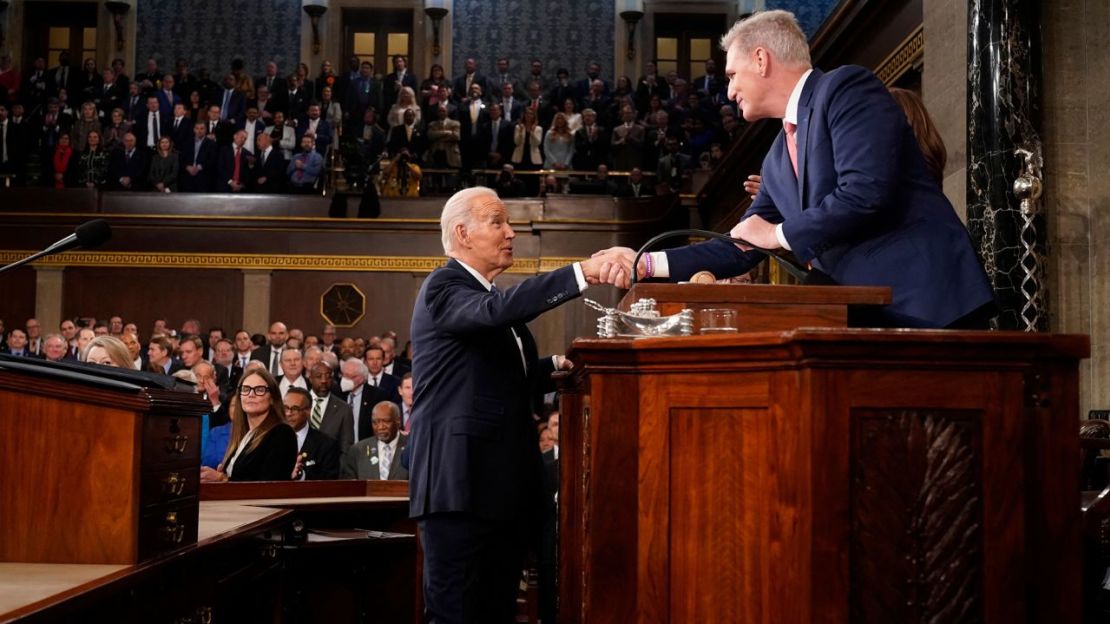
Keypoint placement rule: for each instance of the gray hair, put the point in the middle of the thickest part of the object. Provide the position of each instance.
(391, 407)
(362, 370)
(776, 31)
(459, 210)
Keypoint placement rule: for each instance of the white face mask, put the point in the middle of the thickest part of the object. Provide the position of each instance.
(346, 385)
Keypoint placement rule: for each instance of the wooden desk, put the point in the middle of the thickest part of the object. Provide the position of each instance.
(253, 559)
(821, 475)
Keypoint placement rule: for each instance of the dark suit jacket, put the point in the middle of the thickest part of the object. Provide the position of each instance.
(398, 141)
(279, 90)
(389, 386)
(868, 211)
(296, 105)
(361, 461)
(392, 87)
(272, 460)
(183, 135)
(323, 133)
(363, 93)
(140, 128)
(224, 132)
(322, 461)
(589, 154)
(272, 168)
(119, 166)
(473, 445)
(225, 168)
(458, 87)
(205, 156)
(338, 422)
(236, 105)
(369, 397)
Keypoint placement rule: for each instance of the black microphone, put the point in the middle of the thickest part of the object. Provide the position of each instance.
(87, 236)
(807, 276)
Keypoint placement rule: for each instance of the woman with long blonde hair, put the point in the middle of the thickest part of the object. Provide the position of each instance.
(558, 144)
(406, 100)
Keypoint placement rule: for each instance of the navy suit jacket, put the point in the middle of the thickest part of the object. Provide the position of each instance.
(323, 134)
(866, 211)
(473, 444)
(390, 388)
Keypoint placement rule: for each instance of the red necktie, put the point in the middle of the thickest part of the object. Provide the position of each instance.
(791, 143)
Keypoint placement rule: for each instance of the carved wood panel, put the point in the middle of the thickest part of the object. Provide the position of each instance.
(917, 516)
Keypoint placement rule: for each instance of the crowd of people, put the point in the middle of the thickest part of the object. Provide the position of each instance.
(183, 131)
(319, 406)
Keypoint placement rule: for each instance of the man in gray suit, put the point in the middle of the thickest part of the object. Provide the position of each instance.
(330, 415)
(378, 457)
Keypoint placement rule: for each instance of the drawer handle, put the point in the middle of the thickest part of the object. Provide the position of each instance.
(172, 532)
(177, 444)
(174, 484)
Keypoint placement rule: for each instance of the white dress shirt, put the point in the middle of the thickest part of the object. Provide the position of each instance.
(383, 469)
(285, 385)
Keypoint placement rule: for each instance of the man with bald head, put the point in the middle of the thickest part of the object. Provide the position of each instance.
(475, 469)
(270, 354)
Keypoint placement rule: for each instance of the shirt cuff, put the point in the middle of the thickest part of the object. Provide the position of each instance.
(580, 277)
(782, 238)
(661, 268)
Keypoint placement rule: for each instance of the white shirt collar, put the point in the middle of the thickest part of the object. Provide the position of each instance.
(392, 445)
(478, 276)
(795, 97)
(301, 436)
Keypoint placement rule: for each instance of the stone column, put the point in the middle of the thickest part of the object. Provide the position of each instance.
(256, 301)
(1003, 144)
(48, 297)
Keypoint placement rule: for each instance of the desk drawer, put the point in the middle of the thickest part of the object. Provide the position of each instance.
(170, 441)
(168, 486)
(168, 527)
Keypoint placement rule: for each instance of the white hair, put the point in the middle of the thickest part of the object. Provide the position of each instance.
(776, 31)
(362, 370)
(459, 210)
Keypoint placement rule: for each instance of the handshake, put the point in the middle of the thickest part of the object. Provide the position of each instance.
(612, 266)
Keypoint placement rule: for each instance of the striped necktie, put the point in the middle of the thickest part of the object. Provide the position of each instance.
(317, 418)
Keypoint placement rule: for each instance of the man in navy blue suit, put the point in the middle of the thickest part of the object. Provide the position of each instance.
(475, 470)
(845, 188)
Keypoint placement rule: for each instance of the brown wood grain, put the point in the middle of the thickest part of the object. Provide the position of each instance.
(762, 495)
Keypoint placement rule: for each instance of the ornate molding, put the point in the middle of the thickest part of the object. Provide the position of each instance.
(272, 262)
(910, 51)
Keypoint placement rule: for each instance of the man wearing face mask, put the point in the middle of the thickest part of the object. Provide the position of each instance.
(360, 396)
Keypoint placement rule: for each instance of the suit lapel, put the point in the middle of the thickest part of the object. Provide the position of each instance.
(802, 135)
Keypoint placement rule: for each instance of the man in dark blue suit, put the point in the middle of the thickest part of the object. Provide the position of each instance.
(317, 126)
(198, 161)
(845, 188)
(127, 166)
(232, 102)
(475, 470)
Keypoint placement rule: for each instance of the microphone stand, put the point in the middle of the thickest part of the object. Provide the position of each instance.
(31, 258)
(809, 277)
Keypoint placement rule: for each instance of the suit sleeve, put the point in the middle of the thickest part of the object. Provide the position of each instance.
(349, 465)
(328, 462)
(347, 431)
(720, 258)
(280, 454)
(864, 127)
(457, 307)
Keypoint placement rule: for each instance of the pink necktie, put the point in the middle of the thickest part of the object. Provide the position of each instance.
(791, 144)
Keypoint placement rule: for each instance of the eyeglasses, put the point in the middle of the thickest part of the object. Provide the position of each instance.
(255, 390)
(295, 408)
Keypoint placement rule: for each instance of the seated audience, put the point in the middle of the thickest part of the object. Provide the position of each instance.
(317, 454)
(54, 348)
(508, 185)
(378, 457)
(16, 344)
(262, 447)
(332, 415)
(636, 186)
(160, 356)
(316, 127)
(406, 101)
(292, 370)
(283, 136)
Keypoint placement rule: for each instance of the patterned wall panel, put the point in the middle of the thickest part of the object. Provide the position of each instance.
(562, 33)
(810, 13)
(210, 33)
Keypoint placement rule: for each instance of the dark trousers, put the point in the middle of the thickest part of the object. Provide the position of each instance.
(472, 568)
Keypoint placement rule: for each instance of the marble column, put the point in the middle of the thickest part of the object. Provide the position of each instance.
(49, 287)
(1003, 145)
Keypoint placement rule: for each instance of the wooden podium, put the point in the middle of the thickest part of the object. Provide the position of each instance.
(821, 475)
(95, 470)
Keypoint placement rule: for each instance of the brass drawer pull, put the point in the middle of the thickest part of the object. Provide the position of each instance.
(174, 484)
(172, 532)
(176, 444)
